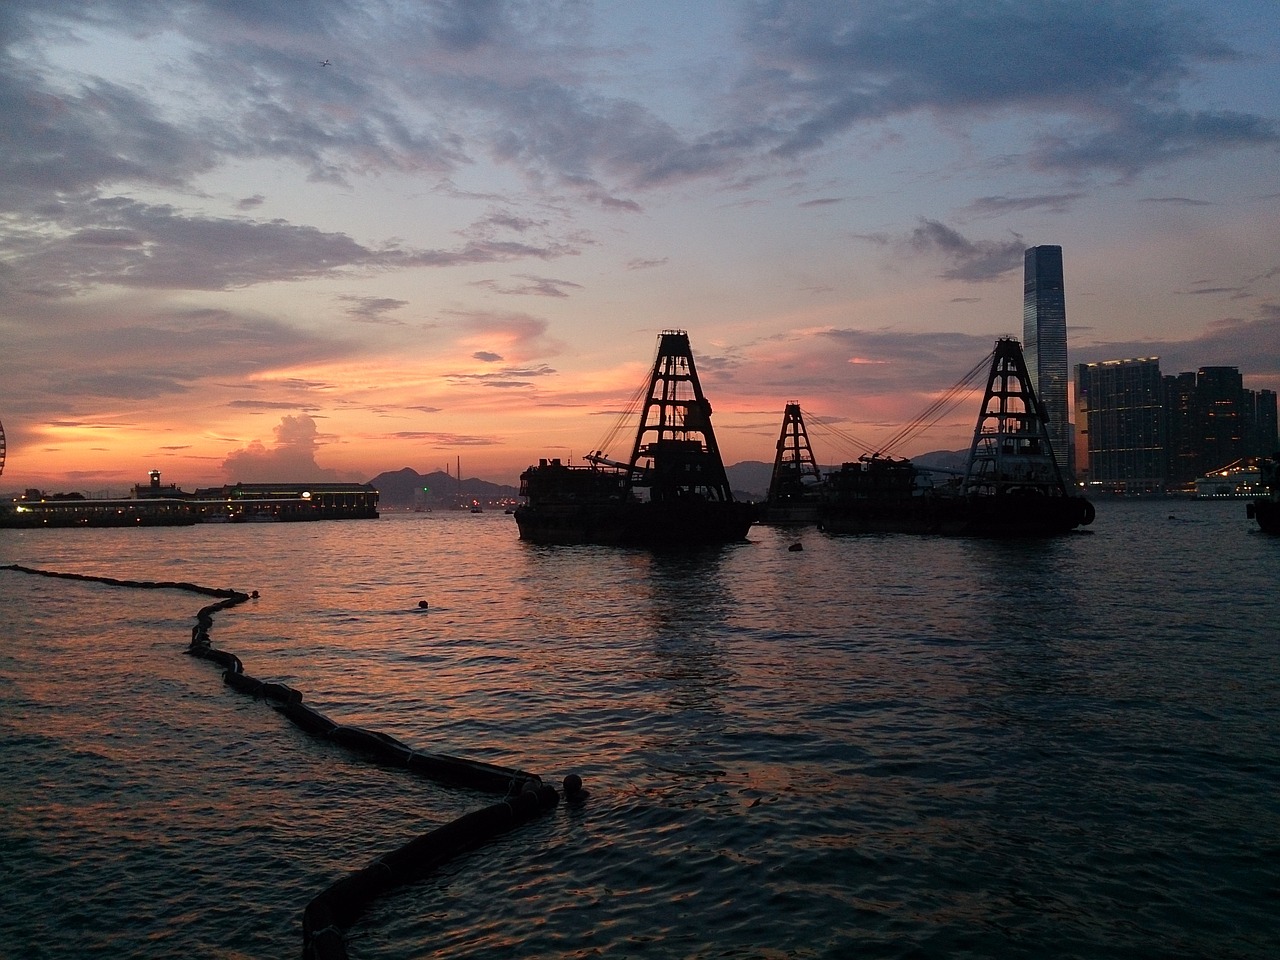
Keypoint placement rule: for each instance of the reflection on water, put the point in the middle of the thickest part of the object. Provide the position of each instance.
(874, 746)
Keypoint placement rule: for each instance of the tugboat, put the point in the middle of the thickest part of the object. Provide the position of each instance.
(1266, 509)
(795, 487)
(1012, 485)
(672, 492)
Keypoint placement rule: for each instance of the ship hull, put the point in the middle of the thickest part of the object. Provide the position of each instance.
(636, 523)
(975, 516)
(1267, 513)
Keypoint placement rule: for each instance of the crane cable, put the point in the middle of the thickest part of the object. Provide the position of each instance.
(939, 408)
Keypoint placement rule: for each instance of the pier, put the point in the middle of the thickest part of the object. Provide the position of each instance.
(154, 505)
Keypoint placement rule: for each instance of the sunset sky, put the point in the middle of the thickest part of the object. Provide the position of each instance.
(321, 239)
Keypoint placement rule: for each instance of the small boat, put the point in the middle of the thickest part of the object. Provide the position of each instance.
(673, 490)
(1012, 485)
(257, 517)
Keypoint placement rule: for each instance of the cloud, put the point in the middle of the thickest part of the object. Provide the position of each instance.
(974, 261)
(506, 378)
(431, 87)
(1252, 345)
(1110, 70)
(647, 264)
(518, 336)
(263, 405)
(127, 243)
(1143, 138)
(373, 309)
(532, 286)
(999, 206)
(291, 457)
(440, 439)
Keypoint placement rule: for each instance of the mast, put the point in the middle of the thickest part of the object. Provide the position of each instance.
(1011, 451)
(675, 452)
(794, 460)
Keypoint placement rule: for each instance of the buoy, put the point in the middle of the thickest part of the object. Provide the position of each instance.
(422, 604)
(573, 791)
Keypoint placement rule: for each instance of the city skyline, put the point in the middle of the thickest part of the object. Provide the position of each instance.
(332, 239)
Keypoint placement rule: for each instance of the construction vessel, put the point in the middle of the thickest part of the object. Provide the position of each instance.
(673, 491)
(1011, 487)
(795, 486)
(1266, 509)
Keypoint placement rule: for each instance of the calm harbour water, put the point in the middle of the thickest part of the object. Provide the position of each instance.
(874, 747)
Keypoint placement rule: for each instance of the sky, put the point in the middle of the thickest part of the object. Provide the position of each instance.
(323, 239)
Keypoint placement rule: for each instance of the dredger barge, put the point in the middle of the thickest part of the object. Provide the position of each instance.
(1012, 485)
(672, 492)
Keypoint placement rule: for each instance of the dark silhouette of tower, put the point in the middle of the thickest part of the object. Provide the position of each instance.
(1044, 343)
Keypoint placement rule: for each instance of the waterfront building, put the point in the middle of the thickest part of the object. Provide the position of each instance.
(1209, 413)
(1261, 435)
(1044, 343)
(1121, 415)
(1180, 429)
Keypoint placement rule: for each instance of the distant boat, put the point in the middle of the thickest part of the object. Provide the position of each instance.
(673, 491)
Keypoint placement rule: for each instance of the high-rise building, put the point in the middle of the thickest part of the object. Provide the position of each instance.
(1182, 435)
(1262, 430)
(1120, 413)
(1220, 400)
(1044, 342)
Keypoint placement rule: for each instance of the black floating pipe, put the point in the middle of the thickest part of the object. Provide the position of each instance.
(329, 914)
(326, 918)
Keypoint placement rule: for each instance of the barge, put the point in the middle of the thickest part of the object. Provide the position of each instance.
(1012, 485)
(672, 491)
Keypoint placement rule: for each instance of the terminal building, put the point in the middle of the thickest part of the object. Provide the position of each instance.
(153, 504)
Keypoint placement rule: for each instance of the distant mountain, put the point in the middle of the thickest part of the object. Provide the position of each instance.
(749, 480)
(406, 488)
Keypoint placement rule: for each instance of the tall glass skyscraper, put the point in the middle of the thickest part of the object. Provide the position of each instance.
(1044, 342)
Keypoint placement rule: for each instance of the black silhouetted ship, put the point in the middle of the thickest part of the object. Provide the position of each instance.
(1012, 485)
(1266, 510)
(672, 492)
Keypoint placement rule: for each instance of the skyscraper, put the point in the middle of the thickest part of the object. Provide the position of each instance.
(1121, 410)
(1044, 342)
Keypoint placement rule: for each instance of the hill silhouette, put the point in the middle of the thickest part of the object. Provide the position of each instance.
(408, 488)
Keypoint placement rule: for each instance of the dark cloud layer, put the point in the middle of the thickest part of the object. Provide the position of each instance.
(508, 79)
(1111, 70)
